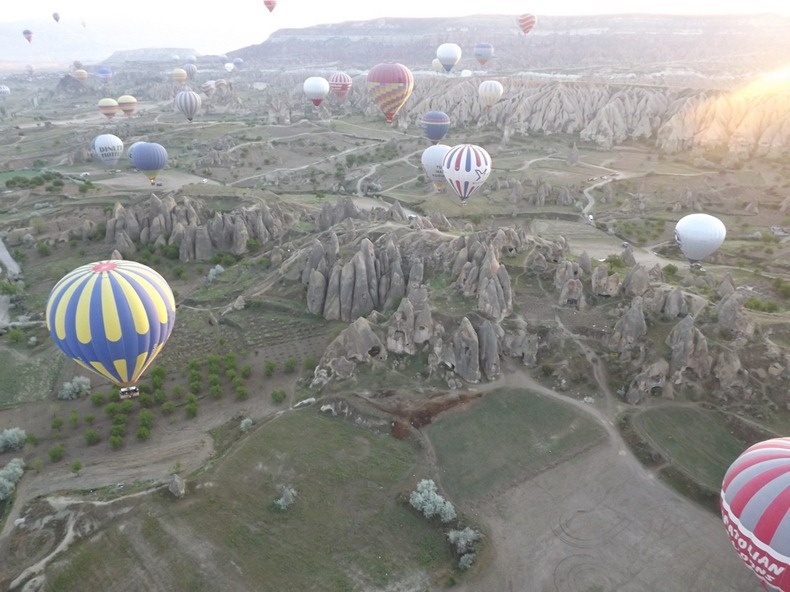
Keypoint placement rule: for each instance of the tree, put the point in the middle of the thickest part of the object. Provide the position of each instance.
(92, 437)
(268, 368)
(427, 500)
(12, 439)
(76, 467)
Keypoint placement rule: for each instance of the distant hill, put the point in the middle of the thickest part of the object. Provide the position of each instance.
(709, 44)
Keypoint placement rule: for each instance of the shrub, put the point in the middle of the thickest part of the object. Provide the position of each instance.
(92, 437)
(9, 475)
(246, 424)
(97, 399)
(290, 365)
(286, 499)
(278, 396)
(143, 433)
(116, 441)
(309, 364)
(242, 393)
(268, 368)
(15, 335)
(246, 371)
(191, 409)
(79, 386)
(168, 407)
(12, 439)
(56, 452)
(426, 500)
(57, 422)
(463, 540)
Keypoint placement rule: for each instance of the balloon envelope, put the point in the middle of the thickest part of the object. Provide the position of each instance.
(108, 107)
(188, 102)
(107, 148)
(483, 52)
(448, 55)
(340, 84)
(755, 503)
(105, 73)
(81, 75)
(699, 235)
(127, 104)
(28, 34)
(179, 75)
(435, 125)
(432, 160)
(316, 88)
(436, 65)
(466, 167)
(270, 4)
(191, 70)
(149, 158)
(389, 87)
(526, 22)
(489, 92)
(112, 318)
(56, 16)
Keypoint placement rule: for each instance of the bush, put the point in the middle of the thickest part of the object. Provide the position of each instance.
(79, 386)
(426, 500)
(286, 499)
(92, 437)
(12, 439)
(191, 409)
(278, 396)
(15, 335)
(143, 433)
(246, 424)
(268, 368)
(246, 371)
(9, 475)
(214, 272)
(463, 540)
(97, 399)
(290, 365)
(309, 364)
(116, 441)
(56, 453)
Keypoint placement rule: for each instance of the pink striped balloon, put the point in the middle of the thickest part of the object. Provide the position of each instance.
(340, 84)
(526, 22)
(755, 507)
(466, 167)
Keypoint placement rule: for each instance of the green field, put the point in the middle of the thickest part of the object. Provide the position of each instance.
(697, 442)
(508, 435)
(345, 531)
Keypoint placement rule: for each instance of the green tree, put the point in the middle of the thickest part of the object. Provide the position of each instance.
(268, 368)
(92, 437)
(56, 452)
(76, 467)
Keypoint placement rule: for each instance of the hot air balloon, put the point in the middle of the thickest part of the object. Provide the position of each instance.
(238, 62)
(105, 73)
(107, 148)
(222, 59)
(466, 167)
(77, 65)
(389, 87)
(448, 55)
(190, 59)
(208, 87)
(432, 160)
(188, 102)
(755, 503)
(179, 75)
(340, 84)
(270, 4)
(229, 67)
(56, 16)
(81, 75)
(191, 70)
(132, 148)
(108, 107)
(526, 22)
(127, 104)
(28, 34)
(149, 158)
(4, 91)
(434, 125)
(483, 52)
(489, 92)
(112, 318)
(221, 84)
(699, 235)
(316, 89)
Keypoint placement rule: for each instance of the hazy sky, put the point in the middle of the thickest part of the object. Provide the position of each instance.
(218, 26)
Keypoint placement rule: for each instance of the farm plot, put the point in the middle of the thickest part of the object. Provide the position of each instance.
(505, 437)
(344, 531)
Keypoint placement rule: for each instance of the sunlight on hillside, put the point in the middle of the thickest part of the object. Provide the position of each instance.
(777, 81)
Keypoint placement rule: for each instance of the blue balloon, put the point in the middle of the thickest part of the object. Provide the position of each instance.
(434, 125)
(150, 158)
(112, 317)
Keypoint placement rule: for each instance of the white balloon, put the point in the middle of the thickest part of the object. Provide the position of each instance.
(316, 88)
(432, 159)
(188, 102)
(490, 91)
(699, 235)
(107, 148)
(448, 55)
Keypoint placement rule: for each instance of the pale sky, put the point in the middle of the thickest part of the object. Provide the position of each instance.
(219, 26)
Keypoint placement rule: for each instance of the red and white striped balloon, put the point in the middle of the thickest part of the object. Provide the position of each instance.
(526, 22)
(755, 507)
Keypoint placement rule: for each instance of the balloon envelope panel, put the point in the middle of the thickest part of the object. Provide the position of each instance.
(112, 317)
(755, 507)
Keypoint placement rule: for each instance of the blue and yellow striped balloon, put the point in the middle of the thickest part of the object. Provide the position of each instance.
(112, 317)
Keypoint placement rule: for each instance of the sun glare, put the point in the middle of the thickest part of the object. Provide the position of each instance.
(775, 82)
